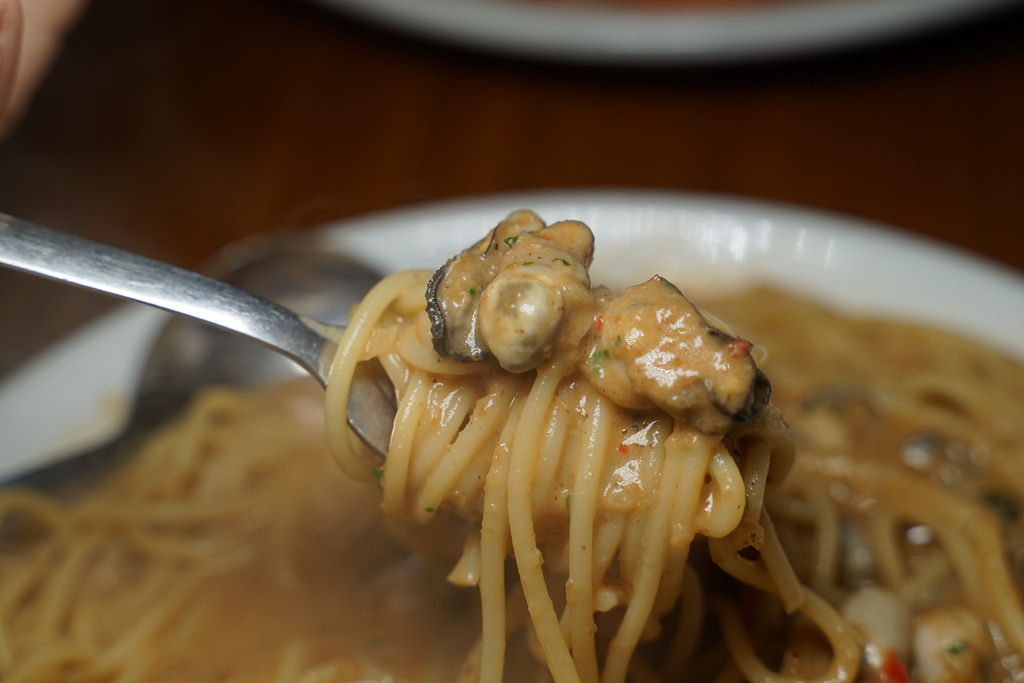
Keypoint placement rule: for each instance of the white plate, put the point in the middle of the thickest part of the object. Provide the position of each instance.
(77, 395)
(540, 28)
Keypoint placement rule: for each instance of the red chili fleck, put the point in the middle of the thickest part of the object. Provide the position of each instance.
(623, 448)
(738, 348)
(892, 670)
(599, 323)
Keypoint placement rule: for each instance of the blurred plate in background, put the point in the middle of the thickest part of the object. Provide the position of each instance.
(77, 395)
(631, 34)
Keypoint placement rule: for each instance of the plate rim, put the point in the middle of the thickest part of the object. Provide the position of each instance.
(130, 328)
(688, 36)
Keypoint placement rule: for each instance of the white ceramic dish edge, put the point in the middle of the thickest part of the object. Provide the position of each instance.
(76, 395)
(624, 36)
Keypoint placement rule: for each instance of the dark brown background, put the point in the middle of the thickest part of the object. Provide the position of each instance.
(171, 127)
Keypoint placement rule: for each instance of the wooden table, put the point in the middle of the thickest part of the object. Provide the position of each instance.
(171, 127)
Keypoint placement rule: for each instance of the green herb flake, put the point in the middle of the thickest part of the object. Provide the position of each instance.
(378, 474)
(618, 340)
(599, 357)
(561, 260)
(430, 509)
(527, 263)
(510, 240)
(473, 291)
(667, 284)
(957, 648)
(568, 501)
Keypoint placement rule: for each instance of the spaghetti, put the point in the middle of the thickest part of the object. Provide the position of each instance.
(591, 452)
(611, 534)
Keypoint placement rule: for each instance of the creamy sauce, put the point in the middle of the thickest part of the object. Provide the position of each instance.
(937, 408)
(316, 562)
(349, 591)
(522, 295)
(652, 348)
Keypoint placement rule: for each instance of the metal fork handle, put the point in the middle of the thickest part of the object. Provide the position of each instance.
(68, 258)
